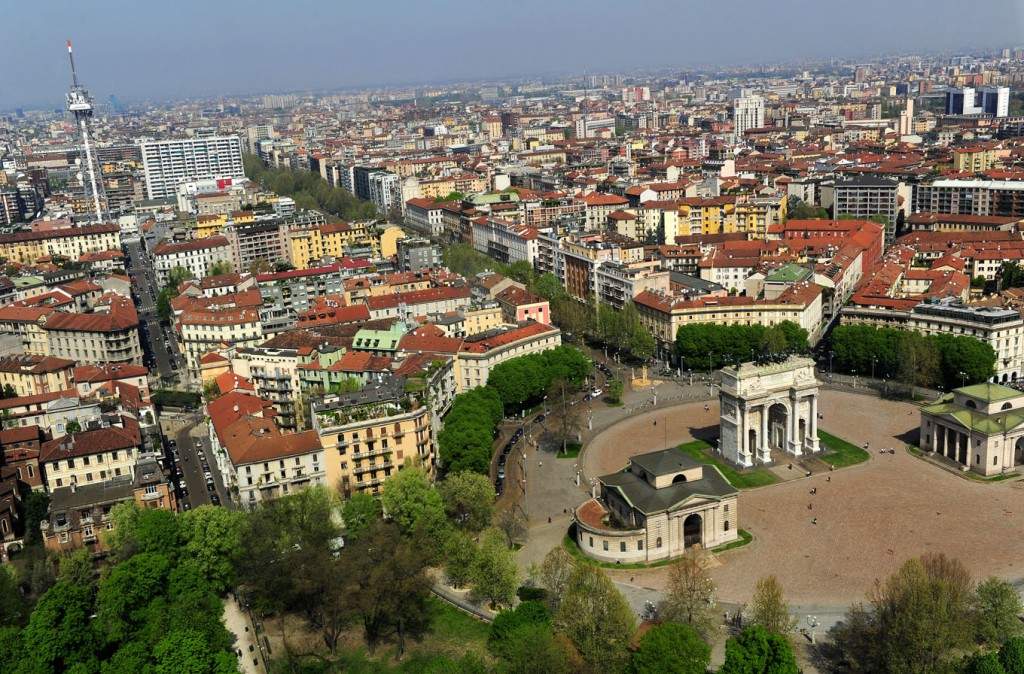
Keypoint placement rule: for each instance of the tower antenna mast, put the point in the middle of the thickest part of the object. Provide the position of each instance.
(79, 102)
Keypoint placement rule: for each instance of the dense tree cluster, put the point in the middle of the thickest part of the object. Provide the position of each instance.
(910, 357)
(467, 440)
(309, 190)
(925, 616)
(710, 345)
(156, 609)
(524, 381)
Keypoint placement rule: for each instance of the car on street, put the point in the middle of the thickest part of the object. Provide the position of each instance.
(499, 486)
(540, 418)
(214, 499)
(502, 459)
(186, 506)
(501, 472)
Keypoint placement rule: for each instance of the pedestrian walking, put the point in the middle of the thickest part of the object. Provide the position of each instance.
(814, 521)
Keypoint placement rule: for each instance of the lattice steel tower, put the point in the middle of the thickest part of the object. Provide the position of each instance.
(80, 105)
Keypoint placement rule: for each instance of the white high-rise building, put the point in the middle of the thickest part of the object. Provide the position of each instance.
(748, 113)
(993, 101)
(170, 162)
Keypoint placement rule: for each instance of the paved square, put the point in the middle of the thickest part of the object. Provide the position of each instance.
(870, 518)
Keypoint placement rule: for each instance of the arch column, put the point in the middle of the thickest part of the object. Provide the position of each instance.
(793, 440)
(764, 449)
(811, 443)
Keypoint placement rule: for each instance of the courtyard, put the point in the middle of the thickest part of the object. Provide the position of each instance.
(869, 518)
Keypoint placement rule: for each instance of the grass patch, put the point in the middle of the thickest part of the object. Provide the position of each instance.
(745, 480)
(995, 478)
(572, 451)
(745, 537)
(615, 404)
(915, 450)
(842, 453)
(570, 545)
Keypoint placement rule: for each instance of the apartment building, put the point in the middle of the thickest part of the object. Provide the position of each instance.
(368, 436)
(79, 515)
(258, 459)
(274, 376)
(425, 216)
(663, 315)
(205, 330)
(480, 353)
(252, 242)
(91, 456)
(504, 241)
(618, 283)
(32, 374)
(574, 259)
(108, 335)
(70, 242)
(518, 305)
(167, 163)
(198, 257)
(296, 291)
(863, 197)
(405, 305)
(1003, 198)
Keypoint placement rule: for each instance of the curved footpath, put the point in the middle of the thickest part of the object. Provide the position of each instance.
(870, 518)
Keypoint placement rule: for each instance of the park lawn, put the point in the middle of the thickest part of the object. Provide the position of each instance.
(453, 634)
(843, 453)
(572, 451)
(746, 480)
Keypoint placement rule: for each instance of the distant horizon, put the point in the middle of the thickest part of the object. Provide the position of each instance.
(203, 51)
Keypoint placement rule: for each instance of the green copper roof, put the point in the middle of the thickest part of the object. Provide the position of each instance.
(989, 392)
(791, 273)
(974, 420)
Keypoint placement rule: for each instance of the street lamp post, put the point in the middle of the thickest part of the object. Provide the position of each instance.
(963, 379)
(873, 361)
(854, 378)
(709, 363)
(830, 363)
(812, 622)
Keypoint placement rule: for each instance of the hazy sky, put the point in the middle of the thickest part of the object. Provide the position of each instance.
(142, 48)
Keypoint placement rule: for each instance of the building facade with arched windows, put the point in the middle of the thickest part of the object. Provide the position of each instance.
(659, 506)
(979, 427)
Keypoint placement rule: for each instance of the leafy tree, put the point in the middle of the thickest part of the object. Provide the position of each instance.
(671, 647)
(756, 650)
(72, 427)
(554, 574)
(507, 622)
(260, 266)
(769, 608)
(164, 310)
(523, 272)
(998, 609)
(13, 608)
(615, 390)
(566, 417)
(9, 392)
(533, 647)
(359, 512)
(1011, 655)
(76, 567)
(60, 636)
(495, 575)
(918, 361)
(460, 554)
(511, 523)
(549, 287)
(412, 502)
(187, 651)
(805, 211)
(177, 276)
(12, 649)
(961, 354)
(596, 618)
(914, 621)
(468, 499)
(985, 663)
(219, 268)
(390, 586)
(212, 539)
(37, 505)
(126, 593)
(690, 598)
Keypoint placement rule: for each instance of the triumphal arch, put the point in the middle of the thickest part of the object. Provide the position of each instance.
(766, 407)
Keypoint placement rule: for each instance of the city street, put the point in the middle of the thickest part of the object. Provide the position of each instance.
(192, 468)
(163, 354)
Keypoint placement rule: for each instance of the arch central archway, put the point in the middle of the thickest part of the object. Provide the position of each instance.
(778, 423)
(693, 533)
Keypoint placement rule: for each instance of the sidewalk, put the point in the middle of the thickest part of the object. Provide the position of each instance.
(245, 641)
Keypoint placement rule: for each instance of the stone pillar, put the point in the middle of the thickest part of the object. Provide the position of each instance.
(745, 454)
(794, 426)
(812, 436)
(765, 448)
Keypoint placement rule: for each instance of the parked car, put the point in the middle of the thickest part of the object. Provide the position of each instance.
(214, 499)
(501, 472)
(501, 460)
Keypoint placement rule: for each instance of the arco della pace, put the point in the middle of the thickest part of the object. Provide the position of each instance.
(768, 408)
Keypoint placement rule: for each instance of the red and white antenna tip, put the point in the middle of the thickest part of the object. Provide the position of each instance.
(69, 45)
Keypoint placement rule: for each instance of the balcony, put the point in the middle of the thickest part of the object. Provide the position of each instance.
(372, 467)
(376, 452)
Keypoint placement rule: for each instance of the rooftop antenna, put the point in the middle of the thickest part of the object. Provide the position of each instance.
(586, 101)
(79, 102)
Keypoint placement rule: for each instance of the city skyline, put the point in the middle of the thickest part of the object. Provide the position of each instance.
(221, 50)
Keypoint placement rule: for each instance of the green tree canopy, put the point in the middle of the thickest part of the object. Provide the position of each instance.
(596, 618)
(769, 608)
(359, 512)
(756, 650)
(671, 648)
(495, 575)
(212, 539)
(468, 499)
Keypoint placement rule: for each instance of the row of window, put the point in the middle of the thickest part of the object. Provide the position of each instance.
(640, 542)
